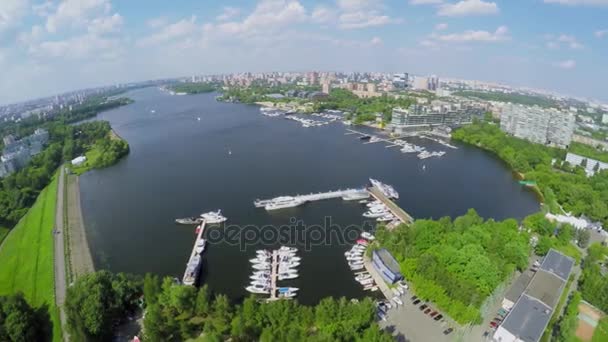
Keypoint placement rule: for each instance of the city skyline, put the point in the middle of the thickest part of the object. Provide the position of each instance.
(52, 47)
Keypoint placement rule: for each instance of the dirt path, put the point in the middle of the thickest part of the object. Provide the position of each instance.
(59, 253)
(81, 261)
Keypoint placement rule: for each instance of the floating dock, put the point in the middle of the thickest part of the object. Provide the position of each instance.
(401, 214)
(274, 275)
(194, 263)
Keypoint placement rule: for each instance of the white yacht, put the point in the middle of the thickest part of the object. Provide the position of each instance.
(259, 260)
(200, 246)
(386, 218)
(368, 236)
(214, 217)
(260, 277)
(262, 282)
(258, 289)
(356, 195)
(288, 249)
(288, 275)
(386, 189)
(370, 214)
(262, 267)
(283, 202)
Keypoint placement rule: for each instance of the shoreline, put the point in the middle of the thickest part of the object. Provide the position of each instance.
(78, 253)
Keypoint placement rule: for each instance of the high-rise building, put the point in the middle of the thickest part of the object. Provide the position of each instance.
(433, 83)
(421, 83)
(325, 88)
(541, 126)
(401, 81)
(605, 119)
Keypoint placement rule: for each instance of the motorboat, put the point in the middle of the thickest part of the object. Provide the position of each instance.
(261, 289)
(263, 273)
(200, 246)
(262, 282)
(288, 289)
(363, 276)
(289, 258)
(261, 267)
(368, 236)
(386, 218)
(386, 189)
(259, 277)
(259, 261)
(362, 242)
(366, 281)
(288, 275)
(189, 220)
(214, 217)
(357, 267)
(287, 249)
(371, 214)
(287, 295)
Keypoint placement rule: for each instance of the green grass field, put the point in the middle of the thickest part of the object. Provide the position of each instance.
(3, 233)
(26, 257)
(92, 155)
(601, 331)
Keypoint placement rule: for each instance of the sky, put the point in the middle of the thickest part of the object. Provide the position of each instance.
(49, 47)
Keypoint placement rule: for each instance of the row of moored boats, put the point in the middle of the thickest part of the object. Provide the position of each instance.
(379, 211)
(280, 264)
(355, 256)
(212, 217)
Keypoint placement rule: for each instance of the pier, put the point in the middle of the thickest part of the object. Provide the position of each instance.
(356, 194)
(274, 275)
(193, 255)
(401, 214)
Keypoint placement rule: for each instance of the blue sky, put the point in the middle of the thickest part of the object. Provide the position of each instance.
(47, 47)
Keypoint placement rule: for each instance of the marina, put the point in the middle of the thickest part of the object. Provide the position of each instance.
(193, 267)
(282, 202)
(272, 266)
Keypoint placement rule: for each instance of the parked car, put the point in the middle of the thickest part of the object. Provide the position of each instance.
(427, 311)
(396, 292)
(493, 324)
(402, 285)
(414, 298)
(502, 312)
(497, 319)
(434, 313)
(401, 290)
(447, 331)
(381, 315)
(397, 300)
(417, 301)
(438, 317)
(423, 306)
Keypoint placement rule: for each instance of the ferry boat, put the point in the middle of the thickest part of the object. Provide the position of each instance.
(386, 189)
(189, 220)
(283, 202)
(214, 217)
(192, 270)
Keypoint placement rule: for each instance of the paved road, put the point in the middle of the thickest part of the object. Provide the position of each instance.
(59, 254)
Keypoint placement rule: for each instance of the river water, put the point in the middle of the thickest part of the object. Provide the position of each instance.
(180, 166)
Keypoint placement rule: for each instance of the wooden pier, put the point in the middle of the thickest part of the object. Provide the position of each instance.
(274, 275)
(401, 214)
(199, 235)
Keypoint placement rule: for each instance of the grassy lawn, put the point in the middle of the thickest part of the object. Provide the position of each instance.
(601, 331)
(27, 257)
(92, 155)
(3, 233)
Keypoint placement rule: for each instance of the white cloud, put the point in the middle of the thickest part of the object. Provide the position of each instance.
(155, 23)
(501, 34)
(468, 7)
(323, 14)
(578, 2)
(228, 13)
(376, 41)
(34, 35)
(43, 9)
(570, 41)
(601, 33)
(104, 25)
(425, 2)
(169, 32)
(88, 46)
(563, 40)
(441, 27)
(11, 12)
(567, 64)
(356, 5)
(76, 12)
(363, 19)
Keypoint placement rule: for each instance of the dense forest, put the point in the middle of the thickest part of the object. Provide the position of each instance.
(19, 190)
(193, 88)
(20, 322)
(528, 100)
(593, 283)
(259, 92)
(559, 183)
(99, 302)
(457, 264)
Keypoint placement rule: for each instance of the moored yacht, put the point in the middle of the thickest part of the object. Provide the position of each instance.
(214, 217)
(283, 202)
(258, 289)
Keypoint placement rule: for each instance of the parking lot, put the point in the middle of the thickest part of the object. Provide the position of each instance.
(408, 323)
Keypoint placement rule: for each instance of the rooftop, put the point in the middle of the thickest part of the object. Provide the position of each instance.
(528, 319)
(558, 264)
(388, 260)
(546, 287)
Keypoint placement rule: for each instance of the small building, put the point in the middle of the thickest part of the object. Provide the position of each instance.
(386, 265)
(515, 291)
(79, 160)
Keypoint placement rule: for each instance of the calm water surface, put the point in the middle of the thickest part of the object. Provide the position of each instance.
(180, 166)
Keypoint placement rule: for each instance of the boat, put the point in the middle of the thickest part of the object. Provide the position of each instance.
(289, 264)
(354, 258)
(259, 277)
(200, 246)
(371, 214)
(288, 275)
(192, 270)
(366, 281)
(356, 195)
(287, 295)
(374, 139)
(261, 273)
(365, 137)
(214, 217)
(259, 260)
(288, 289)
(288, 258)
(386, 189)
(363, 276)
(288, 249)
(386, 218)
(189, 220)
(283, 202)
(262, 282)
(368, 236)
(258, 289)
(362, 242)
(364, 201)
(357, 267)
(261, 267)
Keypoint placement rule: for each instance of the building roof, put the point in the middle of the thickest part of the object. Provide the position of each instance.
(519, 286)
(528, 319)
(558, 264)
(388, 260)
(546, 287)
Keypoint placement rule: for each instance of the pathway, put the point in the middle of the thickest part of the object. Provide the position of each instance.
(59, 253)
(81, 261)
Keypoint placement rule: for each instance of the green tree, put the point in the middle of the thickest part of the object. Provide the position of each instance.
(543, 246)
(583, 236)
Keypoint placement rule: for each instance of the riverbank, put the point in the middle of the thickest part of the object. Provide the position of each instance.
(78, 255)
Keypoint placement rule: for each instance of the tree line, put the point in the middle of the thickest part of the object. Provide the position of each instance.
(457, 263)
(559, 183)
